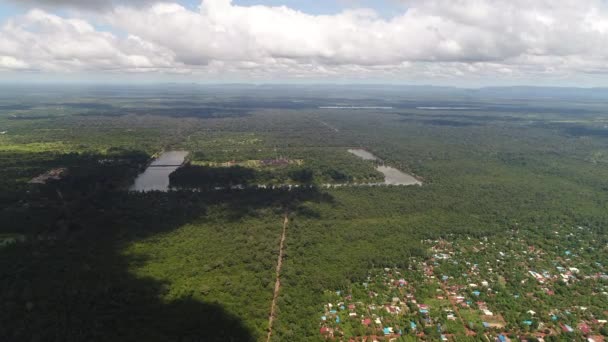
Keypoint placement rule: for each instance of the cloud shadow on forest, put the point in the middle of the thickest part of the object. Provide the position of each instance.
(69, 281)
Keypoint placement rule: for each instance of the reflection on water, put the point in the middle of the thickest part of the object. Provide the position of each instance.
(392, 176)
(156, 176)
(170, 158)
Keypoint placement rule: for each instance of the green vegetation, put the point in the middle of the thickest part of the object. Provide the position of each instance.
(205, 177)
(82, 258)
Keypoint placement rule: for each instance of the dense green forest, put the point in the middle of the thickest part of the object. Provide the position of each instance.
(84, 258)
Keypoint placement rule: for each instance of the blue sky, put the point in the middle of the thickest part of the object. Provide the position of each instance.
(385, 8)
(8, 10)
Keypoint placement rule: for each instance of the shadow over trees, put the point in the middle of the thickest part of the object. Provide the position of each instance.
(69, 280)
(206, 177)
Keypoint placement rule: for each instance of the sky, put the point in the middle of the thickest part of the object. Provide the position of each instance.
(440, 42)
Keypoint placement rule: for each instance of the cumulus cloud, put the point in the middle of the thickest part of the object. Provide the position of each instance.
(81, 4)
(46, 42)
(432, 38)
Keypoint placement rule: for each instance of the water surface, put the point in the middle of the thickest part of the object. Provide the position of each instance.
(156, 176)
(170, 158)
(363, 154)
(392, 176)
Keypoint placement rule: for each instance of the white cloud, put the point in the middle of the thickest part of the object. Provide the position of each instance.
(11, 63)
(433, 38)
(46, 42)
(94, 5)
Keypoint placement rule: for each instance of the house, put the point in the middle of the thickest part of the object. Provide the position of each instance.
(366, 321)
(502, 338)
(531, 312)
(584, 328)
(487, 312)
(566, 328)
(391, 309)
(387, 331)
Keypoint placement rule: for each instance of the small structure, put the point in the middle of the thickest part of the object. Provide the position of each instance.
(584, 328)
(566, 328)
(53, 174)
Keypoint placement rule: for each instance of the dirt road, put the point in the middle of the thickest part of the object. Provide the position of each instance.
(277, 284)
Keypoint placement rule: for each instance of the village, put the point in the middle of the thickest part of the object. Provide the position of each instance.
(509, 289)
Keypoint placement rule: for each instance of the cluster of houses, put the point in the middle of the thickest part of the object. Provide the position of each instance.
(489, 277)
(383, 307)
(500, 289)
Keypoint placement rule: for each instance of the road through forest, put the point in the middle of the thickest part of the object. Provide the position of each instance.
(277, 284)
